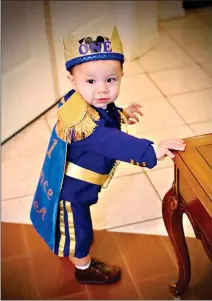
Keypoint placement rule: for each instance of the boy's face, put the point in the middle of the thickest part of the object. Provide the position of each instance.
(98, 82)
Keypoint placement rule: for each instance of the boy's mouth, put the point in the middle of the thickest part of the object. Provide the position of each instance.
(102, 100)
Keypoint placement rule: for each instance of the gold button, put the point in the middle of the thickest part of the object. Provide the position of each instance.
(143, 164)
(132, 161)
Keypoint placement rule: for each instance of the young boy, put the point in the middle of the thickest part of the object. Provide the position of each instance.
(85, 148)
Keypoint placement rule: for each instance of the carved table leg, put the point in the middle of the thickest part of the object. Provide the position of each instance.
(203, 232)
(207, 246)
(172, 216)
(201, 236)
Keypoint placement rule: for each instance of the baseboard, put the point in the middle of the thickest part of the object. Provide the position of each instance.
(33, 120)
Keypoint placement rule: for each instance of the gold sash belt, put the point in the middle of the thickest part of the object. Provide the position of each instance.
(80, 173)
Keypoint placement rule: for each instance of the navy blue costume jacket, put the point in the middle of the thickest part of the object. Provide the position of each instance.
(96, 153)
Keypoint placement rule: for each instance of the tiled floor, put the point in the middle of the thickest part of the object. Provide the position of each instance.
(173, 83)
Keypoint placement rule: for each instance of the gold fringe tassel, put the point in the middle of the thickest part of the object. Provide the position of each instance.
(81, 130)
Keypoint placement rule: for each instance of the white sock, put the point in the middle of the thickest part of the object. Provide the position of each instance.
(83, 267)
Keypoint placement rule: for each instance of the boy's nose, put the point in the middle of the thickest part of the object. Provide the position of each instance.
(102, 88)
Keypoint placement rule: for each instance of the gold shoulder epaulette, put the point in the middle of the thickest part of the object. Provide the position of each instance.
(75, 119)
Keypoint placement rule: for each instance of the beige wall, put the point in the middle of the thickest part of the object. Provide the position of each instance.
(137, 23)
(27, 84)
(170, 9)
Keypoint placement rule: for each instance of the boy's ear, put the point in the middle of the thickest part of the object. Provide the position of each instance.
(71, 79)
(122, 73)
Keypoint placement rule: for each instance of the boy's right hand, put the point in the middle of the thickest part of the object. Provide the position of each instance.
(163, 148)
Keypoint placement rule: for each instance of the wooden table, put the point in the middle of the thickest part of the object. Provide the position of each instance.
(191, 194)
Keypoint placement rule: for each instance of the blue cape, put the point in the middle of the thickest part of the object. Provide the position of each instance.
(44, 208)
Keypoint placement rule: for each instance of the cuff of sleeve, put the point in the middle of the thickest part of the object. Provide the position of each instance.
(150, 158)
(155, 147)
(154, 162)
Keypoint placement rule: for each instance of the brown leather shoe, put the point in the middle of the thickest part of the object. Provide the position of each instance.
(98, 273)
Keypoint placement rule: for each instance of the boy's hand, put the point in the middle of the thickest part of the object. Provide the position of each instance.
(131, 111)
(163, 148)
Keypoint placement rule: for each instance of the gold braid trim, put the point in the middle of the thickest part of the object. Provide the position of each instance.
(125, 114)
(86, 127)
(61, 130)
(124, 128)
(76, 119)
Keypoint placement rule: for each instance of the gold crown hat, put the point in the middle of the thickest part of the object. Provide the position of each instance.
(91, 49)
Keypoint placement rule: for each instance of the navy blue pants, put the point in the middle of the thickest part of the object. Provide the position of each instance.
(74, 233)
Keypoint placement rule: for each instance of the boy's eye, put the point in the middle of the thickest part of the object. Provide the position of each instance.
(110, 80)
(90, 81)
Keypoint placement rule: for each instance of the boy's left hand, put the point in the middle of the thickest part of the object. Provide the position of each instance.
(131, 111)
